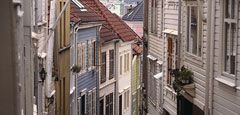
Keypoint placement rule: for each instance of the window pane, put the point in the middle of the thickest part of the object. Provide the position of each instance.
(120, 65)
(194, 26)
(111, 64)
(103, 67)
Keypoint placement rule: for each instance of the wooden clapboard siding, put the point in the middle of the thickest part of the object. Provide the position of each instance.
(156, 49)
(226, 100)
(170, 21)
(197, 64)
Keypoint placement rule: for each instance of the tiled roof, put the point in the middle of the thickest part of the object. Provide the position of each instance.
(136, 14)
(137, 48)
(113, 26)
(84, 16)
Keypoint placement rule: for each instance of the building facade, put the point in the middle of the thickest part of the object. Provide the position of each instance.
(61, 58)
(200, 59)
(224, 61)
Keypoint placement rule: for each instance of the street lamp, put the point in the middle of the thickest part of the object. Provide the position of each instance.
(43, 74)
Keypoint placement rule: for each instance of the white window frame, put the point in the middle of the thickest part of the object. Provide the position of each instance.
(153, 17)
(225, 77)
(229, 21)
(199, 5)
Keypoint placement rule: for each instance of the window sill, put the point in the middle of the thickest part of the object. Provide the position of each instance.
(238, 88)
(226, 82)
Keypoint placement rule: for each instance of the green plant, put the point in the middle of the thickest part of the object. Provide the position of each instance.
(186, 75)
(76, 68)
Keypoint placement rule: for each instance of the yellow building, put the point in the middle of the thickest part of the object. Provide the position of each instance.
(62, 59)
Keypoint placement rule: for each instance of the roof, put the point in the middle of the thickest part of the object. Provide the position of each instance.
(113, 27)
(85, 16)
(136, 14)
(137, 48)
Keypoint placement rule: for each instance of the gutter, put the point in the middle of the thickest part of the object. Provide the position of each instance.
(209, 55)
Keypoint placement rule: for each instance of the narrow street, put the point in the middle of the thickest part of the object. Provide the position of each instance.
(120, 57)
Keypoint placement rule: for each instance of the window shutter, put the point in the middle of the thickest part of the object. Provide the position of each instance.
(94, 53)
(120, 65)
(103, 68)
(111, 64)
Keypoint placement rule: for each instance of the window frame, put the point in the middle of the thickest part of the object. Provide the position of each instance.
(199, 5)
(109, 104)
(111, 63)
(103, 66)
(154, 17)
(230, 21)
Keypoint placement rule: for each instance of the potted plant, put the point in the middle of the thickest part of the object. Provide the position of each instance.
(76, 68)
(186, 75)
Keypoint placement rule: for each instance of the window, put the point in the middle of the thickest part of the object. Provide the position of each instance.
(120, 105)
(230, 35)
(94, 53)
(62, 26)
(126, 99)
(90, 104)
(194, 29)
(94, 102)
(81, 59)
(109, 104)
(90, 50)
(154, 16)
(111, 64)
(120, 65)
(101, 107)
(103, 67)
(127, 62)
(83, 105)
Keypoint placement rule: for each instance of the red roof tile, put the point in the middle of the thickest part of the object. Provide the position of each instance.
(137, 48)
(84, 16)
(113, 27)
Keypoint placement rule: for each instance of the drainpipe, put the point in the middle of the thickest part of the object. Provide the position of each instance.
(144, 61)
(212, 58)
(97, 69)
(179, 46)
(116, 76)
(75, 29)
(209, 55)
(179, 34)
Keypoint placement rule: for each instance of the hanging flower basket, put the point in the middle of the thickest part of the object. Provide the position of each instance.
(76, 69)
(185, 76)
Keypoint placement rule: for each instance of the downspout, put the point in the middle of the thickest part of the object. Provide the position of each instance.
(209, 55)
(162, 80)
(75, 29)
(97, 69)
(179, 34)
(144, 61)
(212, 58)
(116, 75)
(179, 46)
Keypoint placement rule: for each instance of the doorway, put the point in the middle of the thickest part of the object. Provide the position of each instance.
(120, 105)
